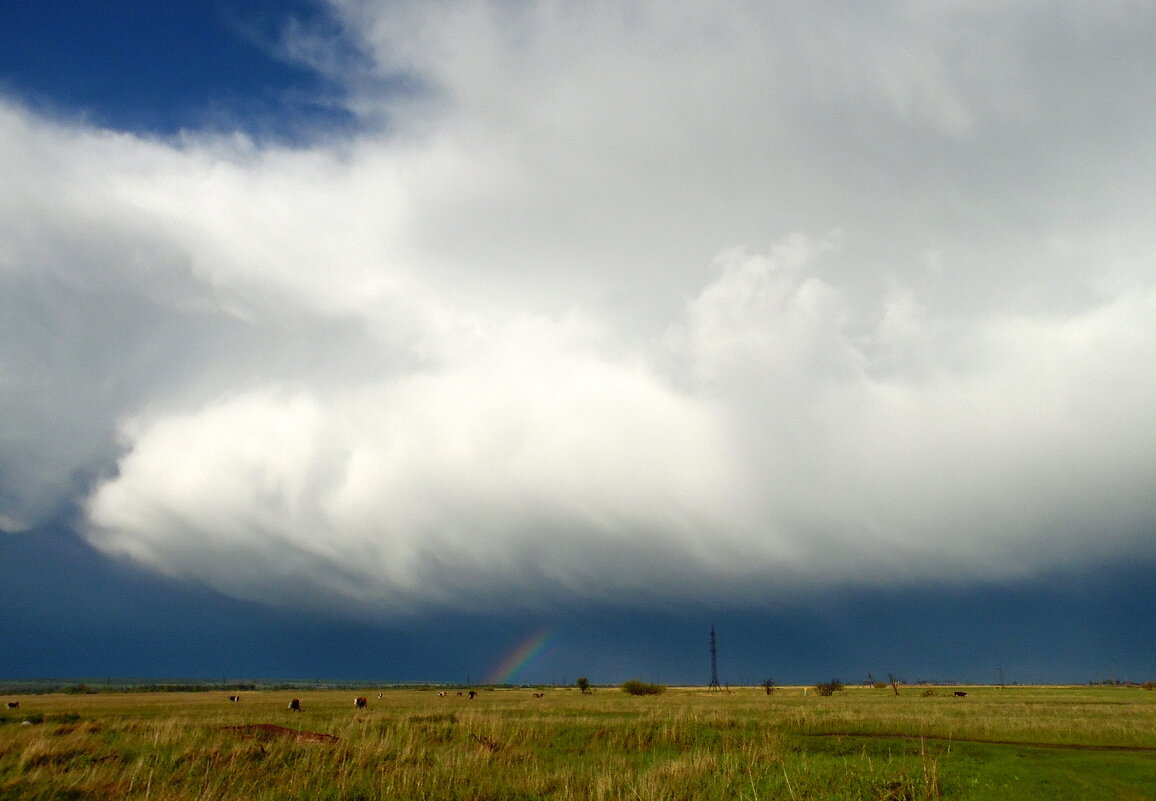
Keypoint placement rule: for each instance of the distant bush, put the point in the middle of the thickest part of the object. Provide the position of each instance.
(636, 687)
(829, 687)
(1150, 685)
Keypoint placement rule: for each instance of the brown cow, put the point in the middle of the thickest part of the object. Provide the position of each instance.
(360, 702)
(13, 704)
(295, 704)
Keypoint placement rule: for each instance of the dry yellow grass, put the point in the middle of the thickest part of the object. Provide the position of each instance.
(507, 744)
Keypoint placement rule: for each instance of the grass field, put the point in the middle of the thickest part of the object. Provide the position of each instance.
(1049, 743)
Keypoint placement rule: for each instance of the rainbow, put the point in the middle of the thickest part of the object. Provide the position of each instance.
(522, 655)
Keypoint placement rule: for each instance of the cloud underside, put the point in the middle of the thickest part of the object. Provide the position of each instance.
(622, 304)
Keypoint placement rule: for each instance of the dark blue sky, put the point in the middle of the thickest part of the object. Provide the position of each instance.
(163, 67)
(68, 612)
(525, 372)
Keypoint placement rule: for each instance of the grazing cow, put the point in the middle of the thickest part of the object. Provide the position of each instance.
(472, 693)
(234, 698)
(381, 695)
(360, 702)
(13, 704)
(539, 695)
(295, 704)
(441, 694)
(959, 694)
(459, 693)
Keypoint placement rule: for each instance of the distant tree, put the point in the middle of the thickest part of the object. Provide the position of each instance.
(583, 684)
(769, 685)
(829, 688)
(636, 687)
(894, 681)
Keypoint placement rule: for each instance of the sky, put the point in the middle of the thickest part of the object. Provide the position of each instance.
(517, 341)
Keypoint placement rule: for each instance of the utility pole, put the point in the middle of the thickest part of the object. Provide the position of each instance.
(714, 685)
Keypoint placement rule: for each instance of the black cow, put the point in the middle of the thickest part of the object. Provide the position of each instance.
(295, 704)
(360, 702)
(959, 694)
(13, 704)
(234, 698)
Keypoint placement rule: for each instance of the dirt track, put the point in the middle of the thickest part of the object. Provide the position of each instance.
(268, 731)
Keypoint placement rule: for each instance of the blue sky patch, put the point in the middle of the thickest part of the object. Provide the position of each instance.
(160, 68)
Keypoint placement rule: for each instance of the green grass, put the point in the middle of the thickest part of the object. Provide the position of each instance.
(1018, 743)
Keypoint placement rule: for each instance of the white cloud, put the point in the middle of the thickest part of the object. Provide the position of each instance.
(525, 447)
(528, 340)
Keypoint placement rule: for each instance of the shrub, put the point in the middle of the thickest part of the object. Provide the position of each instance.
(636, 687)
(829, 687)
